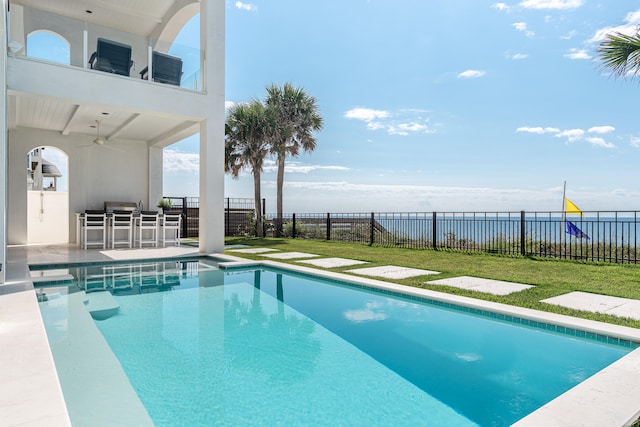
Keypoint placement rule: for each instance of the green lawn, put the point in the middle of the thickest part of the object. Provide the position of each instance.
(551, 277)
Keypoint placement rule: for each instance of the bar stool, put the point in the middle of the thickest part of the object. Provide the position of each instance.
(122, 221)
(94, 220)
(171, 224)
(148, 221)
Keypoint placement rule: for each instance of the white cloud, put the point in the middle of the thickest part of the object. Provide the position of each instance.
(522, 26)
(375, 126)
(577, 54)
(574, 135)
(295, 167)
(228, 104)
(345, 196)
(635, 141)
(291, 167)
(471, 74)
(601, 129)
(246, 6)
(366, 114)
(406, 128)
(571, 34)
(176, 161)
(630, 27)
(599, 142)
(538, 130)
(551, 4)
(519, 56)
(571, 134)
(401, 123)
(341, 196)
(501, 6)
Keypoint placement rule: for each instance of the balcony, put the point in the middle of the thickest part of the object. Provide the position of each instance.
(54, 84)
(78, 33)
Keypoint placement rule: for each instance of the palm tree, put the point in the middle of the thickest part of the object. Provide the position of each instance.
(293, 117)
(246, 147)
(620, 53)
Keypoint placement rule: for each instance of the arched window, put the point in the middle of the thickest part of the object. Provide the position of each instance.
(49, 46)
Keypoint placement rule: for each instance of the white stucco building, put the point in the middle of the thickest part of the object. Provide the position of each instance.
(52, 104)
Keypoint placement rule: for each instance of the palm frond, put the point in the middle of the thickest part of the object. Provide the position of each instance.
(620, 53)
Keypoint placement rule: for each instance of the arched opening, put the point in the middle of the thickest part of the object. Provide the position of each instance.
(47, 196)
(50, 46)
(181, 160)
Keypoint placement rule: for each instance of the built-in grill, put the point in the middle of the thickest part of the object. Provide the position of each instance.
(109, 207)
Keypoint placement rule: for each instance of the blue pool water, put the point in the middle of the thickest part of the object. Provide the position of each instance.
(265, 347)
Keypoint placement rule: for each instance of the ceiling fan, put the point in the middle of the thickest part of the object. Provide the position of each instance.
(100, 141)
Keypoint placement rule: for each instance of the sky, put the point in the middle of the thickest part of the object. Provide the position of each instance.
(437, 105)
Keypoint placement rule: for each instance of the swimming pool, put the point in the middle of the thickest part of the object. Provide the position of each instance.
(249, 346)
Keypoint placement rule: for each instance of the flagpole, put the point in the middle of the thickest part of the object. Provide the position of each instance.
(564, 218)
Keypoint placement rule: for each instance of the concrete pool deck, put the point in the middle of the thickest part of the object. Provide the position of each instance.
(31, 393)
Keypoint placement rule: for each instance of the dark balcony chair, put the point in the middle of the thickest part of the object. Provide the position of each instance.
(111, 57)
(166, 69)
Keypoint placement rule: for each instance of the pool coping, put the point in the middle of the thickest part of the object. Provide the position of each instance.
(32, 396)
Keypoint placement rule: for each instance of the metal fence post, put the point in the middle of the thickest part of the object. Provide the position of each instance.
(328, 226)
(373, 220)
(522, 234)
(227, 219)
(185, 218)
(293, 230)
(434, 230)
(264, 221)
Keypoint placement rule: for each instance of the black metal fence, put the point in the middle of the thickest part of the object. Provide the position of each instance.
(594, 236)
(239, 215)
(189, 208)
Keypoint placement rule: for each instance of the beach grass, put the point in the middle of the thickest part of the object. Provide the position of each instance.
(551, 277)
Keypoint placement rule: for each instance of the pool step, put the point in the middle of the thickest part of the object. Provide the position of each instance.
(42, 278)
(52, 280)
(101, 305)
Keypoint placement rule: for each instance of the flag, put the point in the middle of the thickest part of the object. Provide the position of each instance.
(573, 230)
(571, 208)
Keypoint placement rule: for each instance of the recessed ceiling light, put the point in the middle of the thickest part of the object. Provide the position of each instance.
(89, 11)
(105, 114)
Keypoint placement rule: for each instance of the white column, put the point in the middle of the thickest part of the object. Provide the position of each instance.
(150, 63)
(16, 23)
(85, 49)
(155, 178)
(3, 145)
(212, 129)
